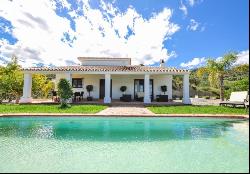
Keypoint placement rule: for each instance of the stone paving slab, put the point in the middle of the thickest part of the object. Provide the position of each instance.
(126, 110)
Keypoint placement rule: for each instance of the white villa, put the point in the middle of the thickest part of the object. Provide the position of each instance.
(107, 75)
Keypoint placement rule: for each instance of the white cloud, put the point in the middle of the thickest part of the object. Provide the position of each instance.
(194, 63)
(203, 28)
(193, 25)
(184, 5)
(193, 2)
(107, 32)
(243, 58)
(183, 8)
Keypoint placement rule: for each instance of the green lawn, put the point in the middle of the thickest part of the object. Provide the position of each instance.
(196, 110)
(83, 109)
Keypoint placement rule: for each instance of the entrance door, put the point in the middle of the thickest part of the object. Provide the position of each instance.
(139, 87)
(102, 89)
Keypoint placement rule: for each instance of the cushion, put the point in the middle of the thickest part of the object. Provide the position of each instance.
(238, 96)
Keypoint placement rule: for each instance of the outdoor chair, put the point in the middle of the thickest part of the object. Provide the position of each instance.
(77, 96)
(54, 96)
(81, 95)
(236, 99)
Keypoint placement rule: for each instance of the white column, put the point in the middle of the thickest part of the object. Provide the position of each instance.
(58, 77)
(147, 97)
(170, 87)
(68, 76)
(27, 88)
(186, 97)
(107, 98)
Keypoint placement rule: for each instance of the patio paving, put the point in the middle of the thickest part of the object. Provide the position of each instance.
(126, 110)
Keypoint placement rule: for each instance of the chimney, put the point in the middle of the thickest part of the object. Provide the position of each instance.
(162, 63)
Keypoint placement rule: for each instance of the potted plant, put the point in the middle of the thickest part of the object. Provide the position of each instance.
(65, 92)
(123, 89)
(89, 89)
(164, 89)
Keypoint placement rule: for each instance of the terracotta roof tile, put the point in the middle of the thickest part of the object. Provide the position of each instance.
(107, 68)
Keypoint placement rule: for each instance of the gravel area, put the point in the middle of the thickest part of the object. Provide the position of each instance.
(201, 101)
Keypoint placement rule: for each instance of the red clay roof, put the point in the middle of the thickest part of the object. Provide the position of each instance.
(107, 69)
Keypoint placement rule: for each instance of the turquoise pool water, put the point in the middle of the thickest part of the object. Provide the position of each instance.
(74, 144)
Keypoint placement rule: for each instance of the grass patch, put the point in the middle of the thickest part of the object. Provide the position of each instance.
(197, 110)
(79, 109)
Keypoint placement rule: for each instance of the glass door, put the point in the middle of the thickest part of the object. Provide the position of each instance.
(139, 87)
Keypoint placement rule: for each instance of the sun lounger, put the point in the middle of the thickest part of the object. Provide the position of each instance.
(236, 99)
(247, 102)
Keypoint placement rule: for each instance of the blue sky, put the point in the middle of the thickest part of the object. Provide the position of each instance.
(183, 32)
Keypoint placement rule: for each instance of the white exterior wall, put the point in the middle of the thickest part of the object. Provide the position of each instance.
(89, 79)
(161, 80)
(118, 81)
(105, 62)
(128, 80)
(123, 80)
(95, 61)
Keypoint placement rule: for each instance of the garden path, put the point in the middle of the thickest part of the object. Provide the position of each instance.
(126, 110)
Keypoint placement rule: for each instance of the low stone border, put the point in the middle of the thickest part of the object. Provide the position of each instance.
(206, 115)
(130, 115)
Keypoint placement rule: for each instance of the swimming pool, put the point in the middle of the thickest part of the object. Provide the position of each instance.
(90, 144)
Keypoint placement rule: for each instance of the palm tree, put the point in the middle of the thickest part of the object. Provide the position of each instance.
(217, 69)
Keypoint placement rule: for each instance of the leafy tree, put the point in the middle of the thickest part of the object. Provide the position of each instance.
(238, 72)
(208, 90)
(65, 92)
(41, 86)
(11, 81)
(241, 68)
(239, 85)
(177, 82)
(194, 79)
(1, 84)
(217, 69)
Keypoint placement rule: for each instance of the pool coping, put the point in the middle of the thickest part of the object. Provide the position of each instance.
(125, 115)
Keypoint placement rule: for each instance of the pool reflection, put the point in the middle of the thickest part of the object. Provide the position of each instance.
(115, 129)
